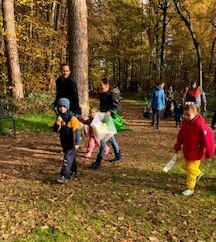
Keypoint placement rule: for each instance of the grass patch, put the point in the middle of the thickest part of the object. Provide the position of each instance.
(48, 234)
(34, 122)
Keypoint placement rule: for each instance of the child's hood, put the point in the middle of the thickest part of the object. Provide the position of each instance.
(198, 120)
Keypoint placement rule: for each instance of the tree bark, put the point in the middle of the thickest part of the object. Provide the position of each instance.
(11, 50)
(188, 24)
(78, 49)
(164, 7)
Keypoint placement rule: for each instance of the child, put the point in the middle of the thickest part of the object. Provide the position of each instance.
(92, 140)
(109, 102)
(198, 143)
(178, 111)
(67, 124)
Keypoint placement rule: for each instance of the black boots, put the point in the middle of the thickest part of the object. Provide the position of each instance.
(97, 163)
(117, 157)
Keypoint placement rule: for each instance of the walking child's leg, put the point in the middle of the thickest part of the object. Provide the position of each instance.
(91, 145)
(116, 149)
(184, 164)
(100, 155)
(68, 166)
(68, 162)
(193, 172)
(74, 168)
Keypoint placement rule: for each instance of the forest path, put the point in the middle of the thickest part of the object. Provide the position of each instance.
(133, 200)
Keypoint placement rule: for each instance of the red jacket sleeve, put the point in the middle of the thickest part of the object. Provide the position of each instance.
(84, 121)
(208, 141)
(179, 141)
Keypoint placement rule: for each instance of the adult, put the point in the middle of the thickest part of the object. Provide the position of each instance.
(67, 88)
(109, 103)
(157, 102)
(195, 94)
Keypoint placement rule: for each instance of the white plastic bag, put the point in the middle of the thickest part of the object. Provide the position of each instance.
(103, 126)
(171, 163)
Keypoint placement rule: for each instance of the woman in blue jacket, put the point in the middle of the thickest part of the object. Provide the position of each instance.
(157, 102)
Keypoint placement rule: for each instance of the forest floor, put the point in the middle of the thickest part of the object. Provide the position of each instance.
(133, 200)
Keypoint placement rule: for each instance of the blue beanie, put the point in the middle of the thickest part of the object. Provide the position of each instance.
(64, 102)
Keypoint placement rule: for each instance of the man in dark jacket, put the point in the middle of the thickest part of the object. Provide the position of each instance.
(67, 88)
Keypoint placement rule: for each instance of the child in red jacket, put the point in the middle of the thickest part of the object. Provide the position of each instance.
(198, 142)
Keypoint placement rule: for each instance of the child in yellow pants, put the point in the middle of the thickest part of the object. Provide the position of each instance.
(197, 140)
(193, 172)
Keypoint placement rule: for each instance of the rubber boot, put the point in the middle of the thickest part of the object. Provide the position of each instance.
(117, 157)
(97, 163)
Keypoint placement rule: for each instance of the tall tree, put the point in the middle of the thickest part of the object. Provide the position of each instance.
(78, 48)
(11, 50)
(185, 16)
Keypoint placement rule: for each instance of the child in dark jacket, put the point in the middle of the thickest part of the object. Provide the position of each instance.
(67, 124)
(178, 112)
(198, 142)
(92, 139)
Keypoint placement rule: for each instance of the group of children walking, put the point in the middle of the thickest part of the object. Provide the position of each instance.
(194, 136)
(67, 124)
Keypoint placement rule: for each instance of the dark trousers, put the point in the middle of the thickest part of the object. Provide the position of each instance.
(69, 166)
(178, 121)
(155, 115)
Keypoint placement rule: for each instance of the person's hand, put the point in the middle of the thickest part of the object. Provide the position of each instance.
(59, 120)
(108, 113)
(76, 147)
(85, 116)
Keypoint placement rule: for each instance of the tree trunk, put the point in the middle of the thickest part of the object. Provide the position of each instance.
(51, 48)
(212, 54)
(11, 49)
(78, 49)
(186, 20)
(164, 7)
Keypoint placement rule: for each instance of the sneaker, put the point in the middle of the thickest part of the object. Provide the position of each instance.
(61, 179)
(88, 155)
(107, 150)
(73, 175)
(188, 192)
(199, 176)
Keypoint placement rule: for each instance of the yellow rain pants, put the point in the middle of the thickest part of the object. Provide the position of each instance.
(192, 172)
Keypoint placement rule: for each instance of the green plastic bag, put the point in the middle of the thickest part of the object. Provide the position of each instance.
(118, 122)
